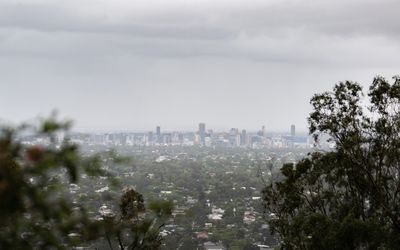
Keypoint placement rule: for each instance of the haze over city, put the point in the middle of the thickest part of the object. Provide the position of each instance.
(133, 65)
(200, 124)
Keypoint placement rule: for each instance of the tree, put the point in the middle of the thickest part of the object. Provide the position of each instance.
(36, 212)
(134, 229)
(349, 197)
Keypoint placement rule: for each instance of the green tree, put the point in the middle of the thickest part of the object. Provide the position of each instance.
(349, 197)
(35, 209)
(141, 230)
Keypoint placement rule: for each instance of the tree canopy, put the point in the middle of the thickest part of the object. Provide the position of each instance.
(37, 213)
(348, 197)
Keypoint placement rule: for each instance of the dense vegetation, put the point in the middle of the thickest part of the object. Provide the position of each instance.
(38, 212)
(58, 194)
(348, 198)
(198, 179)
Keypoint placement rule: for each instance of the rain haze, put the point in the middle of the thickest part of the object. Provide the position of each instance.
(132, 65)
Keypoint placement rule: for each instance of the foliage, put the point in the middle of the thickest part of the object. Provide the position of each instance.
(137, 230)
(348, 198)
(35, 210)
(131, 204)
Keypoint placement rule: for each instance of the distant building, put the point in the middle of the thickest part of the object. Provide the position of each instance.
(202, 132)
(150, 137)
(293, 130)
(202, 235)
(207, 141)
(212, 246)
(234, 137)
(202, 128)
(243, 138)
(166, 138)
(180, 138)
(158, 134)
(262, 131)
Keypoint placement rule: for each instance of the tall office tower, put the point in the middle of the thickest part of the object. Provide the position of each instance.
(263, 130)
(243, 138)
(150, 138)
(158, 134)
(202, 128)
(158, 131)
(293, 130)
(202, 132)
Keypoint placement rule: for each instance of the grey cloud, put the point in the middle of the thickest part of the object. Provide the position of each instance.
(131, 64)
(260, 32)
(346, 18)
(306, 50)
(336, 18)
(53, 18)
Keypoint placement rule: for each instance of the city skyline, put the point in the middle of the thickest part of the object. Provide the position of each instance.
(195, 129)
(232, 138)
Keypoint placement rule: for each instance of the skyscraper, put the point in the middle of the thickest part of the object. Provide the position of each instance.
(150, 138)
(243, 138)
(158, 134)
(202, 128)
(202, 132)
(293, 130)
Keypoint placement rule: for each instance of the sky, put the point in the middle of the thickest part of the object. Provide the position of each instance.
(131, 65)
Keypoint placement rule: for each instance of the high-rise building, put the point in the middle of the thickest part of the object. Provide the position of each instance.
(234, 137)
(293, 130)
(243, 138)
(202, 128)
(202, 132)
(158, 130)
(158, 134)
(261, 132)
(150, 138)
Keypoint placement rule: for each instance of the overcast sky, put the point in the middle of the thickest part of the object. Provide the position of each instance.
(132, 65)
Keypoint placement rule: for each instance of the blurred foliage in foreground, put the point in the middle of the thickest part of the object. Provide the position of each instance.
(348, 198)
(35, 213)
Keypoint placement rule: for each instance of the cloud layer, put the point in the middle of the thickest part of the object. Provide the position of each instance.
(135, 64)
